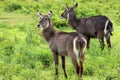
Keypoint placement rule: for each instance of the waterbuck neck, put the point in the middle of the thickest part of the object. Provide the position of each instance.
(73, 21)
(48, 33)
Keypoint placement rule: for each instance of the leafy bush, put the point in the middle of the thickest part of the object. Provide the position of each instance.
(4, 25)
(2, 39)
(60, 24)
(112, 77)
(32, 37)
(12, 7)
(89, 70)
(46, 59)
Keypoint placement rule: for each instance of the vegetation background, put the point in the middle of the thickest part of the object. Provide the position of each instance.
(24, 54)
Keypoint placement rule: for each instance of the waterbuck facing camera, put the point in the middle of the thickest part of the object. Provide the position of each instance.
(62, 44)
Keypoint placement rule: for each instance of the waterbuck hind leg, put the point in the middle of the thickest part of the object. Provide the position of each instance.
(74, 61)
(108, 43)
(107, 37)
(63, 65)
(81, 61)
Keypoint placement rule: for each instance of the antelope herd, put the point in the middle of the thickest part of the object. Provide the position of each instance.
(74, 44)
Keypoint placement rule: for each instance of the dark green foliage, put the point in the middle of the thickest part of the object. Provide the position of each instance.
(112, 77)
(2, 39)
(5, 25)
(89, 70)
(60, 24)
(46, 59)
(32, 38)
(86, 13)
(12, 7)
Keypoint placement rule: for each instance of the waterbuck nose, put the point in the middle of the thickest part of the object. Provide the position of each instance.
(38, 25)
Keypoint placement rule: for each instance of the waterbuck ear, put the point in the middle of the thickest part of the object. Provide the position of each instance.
(75, 6)
(66, 6)
(39, 14)
(50, 14)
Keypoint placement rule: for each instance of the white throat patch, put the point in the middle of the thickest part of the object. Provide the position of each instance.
(68, 16)
(47, 25)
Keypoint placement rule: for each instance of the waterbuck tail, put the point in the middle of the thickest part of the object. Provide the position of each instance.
(108, 28)
(81, 45)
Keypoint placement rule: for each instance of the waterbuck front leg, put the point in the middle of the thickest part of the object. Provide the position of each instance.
(63, 65)
(88, 40)
(55, 56)
(101, 44)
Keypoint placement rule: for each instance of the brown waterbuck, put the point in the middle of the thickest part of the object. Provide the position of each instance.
(94, 27)
(62, 44)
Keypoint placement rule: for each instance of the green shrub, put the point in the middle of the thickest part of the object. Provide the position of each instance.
(32, 38)
(12, 7)
(36, 7)
(2, 39)
(112, 77)
(46, 59)
(89, 70)
(60, 24)
(28, 74)
(7, 46)
(4, 25)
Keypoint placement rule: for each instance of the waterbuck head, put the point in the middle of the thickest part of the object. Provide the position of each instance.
(44, 20)
(69, 11)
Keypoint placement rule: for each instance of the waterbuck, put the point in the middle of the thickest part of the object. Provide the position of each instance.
(62, 44)
(94, 27)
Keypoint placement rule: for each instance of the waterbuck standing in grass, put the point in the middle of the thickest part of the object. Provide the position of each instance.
(93, 27)
(62, 44)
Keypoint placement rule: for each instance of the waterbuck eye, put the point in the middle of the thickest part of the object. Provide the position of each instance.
(45, 18)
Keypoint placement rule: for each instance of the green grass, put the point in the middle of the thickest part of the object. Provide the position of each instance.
(15, 19)
(25, 55)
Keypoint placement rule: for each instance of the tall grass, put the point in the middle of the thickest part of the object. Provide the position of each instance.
(85, 8)
(24, 54)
